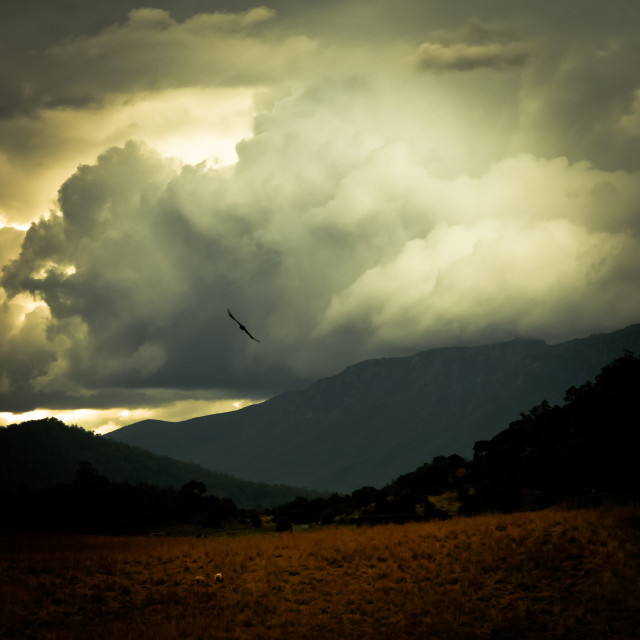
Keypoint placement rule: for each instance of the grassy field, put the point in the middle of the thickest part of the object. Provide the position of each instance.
(551, 574)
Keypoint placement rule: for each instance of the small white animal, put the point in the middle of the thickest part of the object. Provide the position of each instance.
(218, 577)
(200, 579)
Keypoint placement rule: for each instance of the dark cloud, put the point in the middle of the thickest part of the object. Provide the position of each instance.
(576, 96)
(153, 51)
(29, 28)
(474, 47)
(463, 57)
(137, 272)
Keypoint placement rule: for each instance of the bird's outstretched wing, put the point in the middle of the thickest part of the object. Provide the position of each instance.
(247, 332)
(242, 327)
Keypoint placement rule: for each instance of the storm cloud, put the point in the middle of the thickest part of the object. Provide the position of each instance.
(472, 180)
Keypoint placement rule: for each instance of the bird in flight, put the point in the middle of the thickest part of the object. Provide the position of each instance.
(242, 327)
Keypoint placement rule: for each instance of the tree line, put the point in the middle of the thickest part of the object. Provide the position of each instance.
(91, 503)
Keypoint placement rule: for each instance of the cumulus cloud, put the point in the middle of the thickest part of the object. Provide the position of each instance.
(358, 251)
(374, 209)
(177, 122)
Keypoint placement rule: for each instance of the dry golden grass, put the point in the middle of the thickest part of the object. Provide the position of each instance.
(551, 574)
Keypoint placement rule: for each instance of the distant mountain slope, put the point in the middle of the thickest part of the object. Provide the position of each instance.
(40, 454)
(380, 418)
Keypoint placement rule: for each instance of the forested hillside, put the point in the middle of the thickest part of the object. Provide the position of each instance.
(39, 454)
(584, 451)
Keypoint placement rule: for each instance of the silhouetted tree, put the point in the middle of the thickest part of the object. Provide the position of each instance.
(327, 517)
(255, 519)
(283, 524)
(365, 496)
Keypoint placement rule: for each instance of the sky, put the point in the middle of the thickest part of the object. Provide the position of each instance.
(353, 179)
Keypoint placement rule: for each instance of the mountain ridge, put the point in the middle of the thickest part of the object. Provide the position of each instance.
(380, 417)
